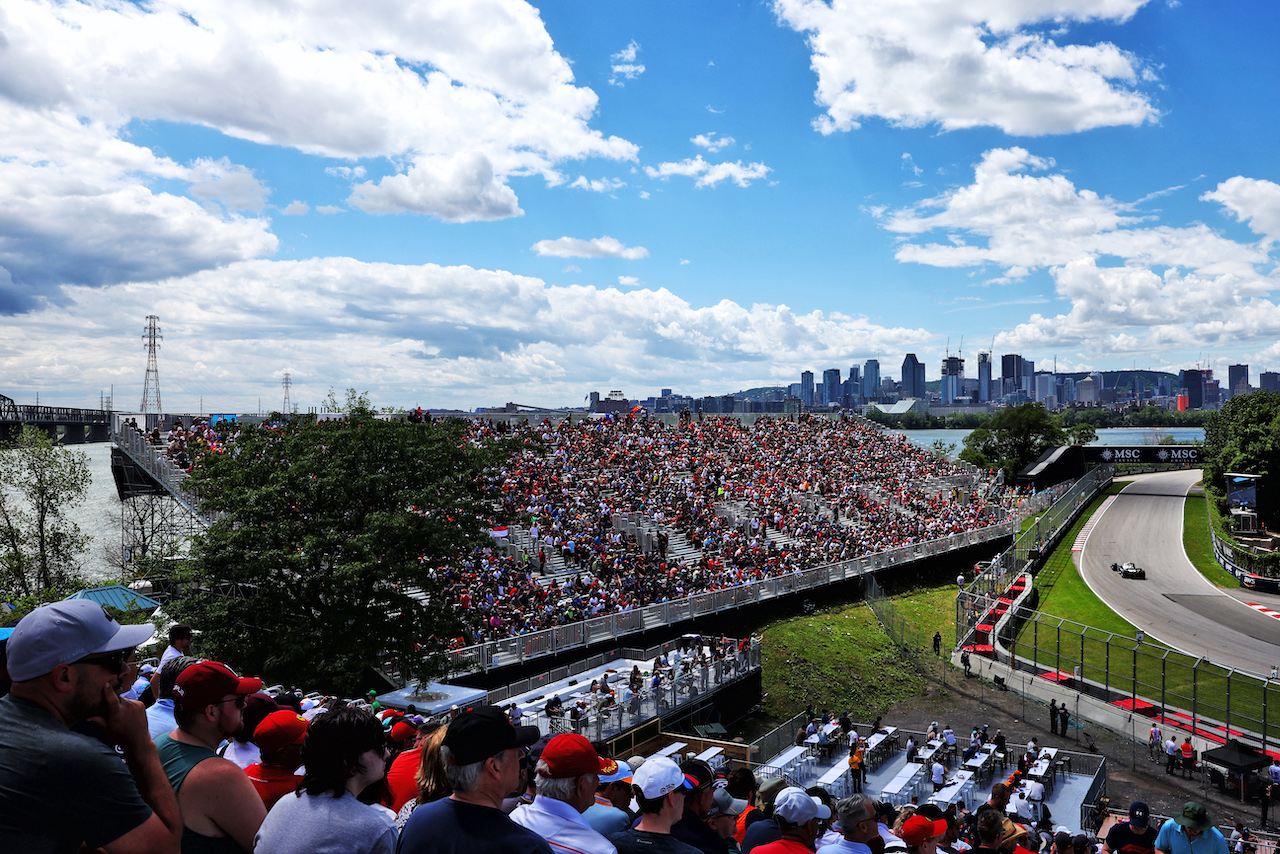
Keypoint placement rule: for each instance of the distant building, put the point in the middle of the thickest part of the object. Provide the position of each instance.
(615, 401)
(1237, 380)
(1010, 373)
(853, 385)
(1191, 383)
(984, 377)
(1087, 391)
(806, 388)
(831, 386)
(1269, 381)
(912, 378)
(952, 379)
(871, 379)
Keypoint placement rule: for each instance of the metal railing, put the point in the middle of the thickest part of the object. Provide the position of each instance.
(154, 462)
(519, 648)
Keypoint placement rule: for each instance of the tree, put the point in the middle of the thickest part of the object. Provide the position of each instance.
(1081, 434)
(40, 546)
(323, 560)
(1013, 438)
(1244, 437)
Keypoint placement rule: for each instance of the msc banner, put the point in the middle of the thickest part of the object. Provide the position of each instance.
(1145, 454)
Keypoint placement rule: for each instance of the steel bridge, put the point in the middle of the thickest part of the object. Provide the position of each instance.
(65, 425)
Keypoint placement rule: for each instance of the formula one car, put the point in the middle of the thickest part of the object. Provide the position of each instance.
(1129, 570)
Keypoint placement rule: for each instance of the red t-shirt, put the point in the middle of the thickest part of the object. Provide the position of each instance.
(783, 846)
(272, 783)
(402, 778)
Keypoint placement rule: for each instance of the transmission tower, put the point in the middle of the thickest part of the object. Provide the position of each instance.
(151, 388)
(288, 383)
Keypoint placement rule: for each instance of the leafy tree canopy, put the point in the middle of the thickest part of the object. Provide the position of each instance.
(40, 546)
(1244, 437)
(323, 560)
(1013, 438)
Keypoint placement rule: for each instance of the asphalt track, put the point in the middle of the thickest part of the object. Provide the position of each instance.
(1175, 604)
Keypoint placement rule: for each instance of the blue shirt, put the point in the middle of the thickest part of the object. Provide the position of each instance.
(1172, 839)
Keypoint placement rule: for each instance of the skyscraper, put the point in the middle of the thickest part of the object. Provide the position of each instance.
(1193, 382)
(1269, 381)
(871, 379)
(912, 377)
(831, 386)
(806, 388)
(1010, 373)
(854, 384)
(1237, 380)
(984, 377)
(952, 378)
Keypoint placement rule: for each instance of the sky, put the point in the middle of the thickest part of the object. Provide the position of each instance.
(460, 204)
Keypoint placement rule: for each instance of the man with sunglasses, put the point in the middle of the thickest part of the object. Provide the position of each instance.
(221, 811)
(58, 789)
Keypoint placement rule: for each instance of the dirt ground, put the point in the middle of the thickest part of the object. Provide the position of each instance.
(967, 703)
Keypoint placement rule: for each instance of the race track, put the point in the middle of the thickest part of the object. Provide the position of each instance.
(1175, 604)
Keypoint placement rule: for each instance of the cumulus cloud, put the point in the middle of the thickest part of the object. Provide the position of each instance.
(458, 98)
(970, 63)
(624, 65)
(572, 268)
(710, 174)
(629, 282)
(78, 209)
(603, 185)
(597, 247)
(296, 208)
(418, 337)
(1252, 201)
(710, 143)
(328, 209)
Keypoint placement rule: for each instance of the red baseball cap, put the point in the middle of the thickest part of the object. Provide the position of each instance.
(571, 755)
(279, 730)
(206, 682)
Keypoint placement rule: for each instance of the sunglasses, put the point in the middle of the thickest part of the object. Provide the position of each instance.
(112, 662)
(239, 700)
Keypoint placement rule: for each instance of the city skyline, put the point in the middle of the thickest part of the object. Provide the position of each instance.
(457, 204)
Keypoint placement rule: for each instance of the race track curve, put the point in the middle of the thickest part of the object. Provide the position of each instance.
(1175, 604)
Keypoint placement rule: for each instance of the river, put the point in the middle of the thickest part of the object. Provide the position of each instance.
(99, 514)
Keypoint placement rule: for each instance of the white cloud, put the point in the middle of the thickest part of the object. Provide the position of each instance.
(603, 185)
(418, 337)
(296, 208)
(969, 63)
(629, 282)
(230, 184)
(684, 261)
(624, 65)
(461, 188)
(459, 98)
(909, 164)
(597, 247)
(644, 194)
(1252, 201)
(328, 209)
(78, 209)
(572, 268)
(710, 174)
(346, 173)
(708, 141)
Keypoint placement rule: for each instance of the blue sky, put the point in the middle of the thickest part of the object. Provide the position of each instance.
(460, 204)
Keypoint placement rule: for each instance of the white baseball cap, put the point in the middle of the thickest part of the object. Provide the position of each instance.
(798, 807)
(658, 777)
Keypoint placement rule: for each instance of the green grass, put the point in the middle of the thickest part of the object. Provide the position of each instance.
(1198, 543)
(835, 659)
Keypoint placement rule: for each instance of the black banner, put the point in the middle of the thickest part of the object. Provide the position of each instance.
(1144, 454)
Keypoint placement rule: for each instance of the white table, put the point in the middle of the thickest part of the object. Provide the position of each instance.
(710, 755)
(826, 728)
(673, 747)
(959, 789)
(782, 762)
(925, 754)
(836, 779)
(899, 790)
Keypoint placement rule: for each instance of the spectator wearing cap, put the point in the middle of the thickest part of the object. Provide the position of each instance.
(1013, 838)
(59, 789)
(1134, 836)
(692, 826)
(611, 810)
(568, 776)
(402, 776)
(279, 738)
(241, 747)
(430, 779)
(481, 755)
(660, 788)
(742, 784)
(221, 811)
(179, 643)
(345, 753)
(146, 673)
(160, 713)
(1080, 844)
(722, 818)
(1191, 832)
(761, 826)
(923, 835)
(801, 820)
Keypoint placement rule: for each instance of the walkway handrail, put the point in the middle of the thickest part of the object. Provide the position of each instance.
(152, 460)
(523, 647)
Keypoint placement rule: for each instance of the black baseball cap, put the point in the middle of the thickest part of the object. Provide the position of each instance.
(481, 731)
(1139, 815)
